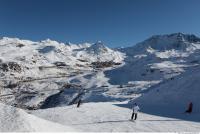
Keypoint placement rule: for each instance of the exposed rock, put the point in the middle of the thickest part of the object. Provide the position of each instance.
(79, 65)
(104, 64)
(46, 49)
(59, 64)
(20, 45)
(4, 67)
(81, 60)
(11, 85)
(13, 66)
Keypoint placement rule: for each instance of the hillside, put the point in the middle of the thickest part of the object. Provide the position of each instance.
(113, 117)
(32, 71)
(17, 120)
(171, 99)
(47, 78)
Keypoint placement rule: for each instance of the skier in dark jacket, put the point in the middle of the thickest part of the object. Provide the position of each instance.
(79, 103)
(135, 111)
(190, 107)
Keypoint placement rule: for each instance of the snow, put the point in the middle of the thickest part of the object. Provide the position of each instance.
(17, 120)
(176, 94)
(140, 56)
(99, 52)
(171, 54)
(113, 117)
(161, 74)
(166, 64)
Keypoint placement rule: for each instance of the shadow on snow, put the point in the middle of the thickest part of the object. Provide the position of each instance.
(165, 111)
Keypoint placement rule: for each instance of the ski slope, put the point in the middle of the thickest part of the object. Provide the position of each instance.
(113, 117)
(16, 120)
(170, 98)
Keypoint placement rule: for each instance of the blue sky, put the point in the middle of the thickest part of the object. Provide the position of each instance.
(115, 22)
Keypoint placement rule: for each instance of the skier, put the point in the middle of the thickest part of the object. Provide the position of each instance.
(190, 107)
(135, 111)
(79, 103)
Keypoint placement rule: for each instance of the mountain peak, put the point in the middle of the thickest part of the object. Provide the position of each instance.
(98, 47)
(177, 41)
(174, 41)
(49, 41)
(99, 44)
(69, 43)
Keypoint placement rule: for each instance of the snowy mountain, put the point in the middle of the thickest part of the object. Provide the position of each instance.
(161, 74)
(159, 57)
(99, 52)
(176, 41)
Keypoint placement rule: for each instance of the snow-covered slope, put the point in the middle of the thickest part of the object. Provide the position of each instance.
(99, 52)
(47, 52)
(176, 41)
(157, 58)
(161, 74)
(113, 117)
(173, 60)
(17, 120)
(32, 71)
(171, 98)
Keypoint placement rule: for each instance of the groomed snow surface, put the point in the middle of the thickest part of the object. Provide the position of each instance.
(90, 117)
(17, 120)
(113, 117)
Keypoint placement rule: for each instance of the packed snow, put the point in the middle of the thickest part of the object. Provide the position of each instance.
(16, 120)
(113, 117)
(41, 83)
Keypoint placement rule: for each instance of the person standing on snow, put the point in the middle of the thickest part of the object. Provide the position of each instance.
(135, 111)
(79, 103)
(190, 107)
